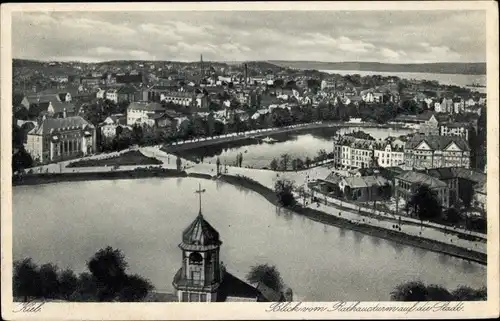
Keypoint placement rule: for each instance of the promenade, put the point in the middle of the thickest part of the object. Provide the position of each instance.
(267, 178)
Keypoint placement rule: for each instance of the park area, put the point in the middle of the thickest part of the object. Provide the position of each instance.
(126, 159)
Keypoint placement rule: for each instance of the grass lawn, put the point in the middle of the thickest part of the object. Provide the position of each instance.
(128, 158)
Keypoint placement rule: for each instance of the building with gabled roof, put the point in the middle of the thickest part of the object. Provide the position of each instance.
(407, 184)
(432, 151)
(136, 111)
(56, 139)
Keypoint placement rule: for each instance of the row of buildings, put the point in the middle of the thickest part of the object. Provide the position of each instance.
(420, 151)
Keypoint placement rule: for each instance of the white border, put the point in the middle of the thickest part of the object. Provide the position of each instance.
(223, 311)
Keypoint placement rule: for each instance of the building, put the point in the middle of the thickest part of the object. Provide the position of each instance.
(203, 277)
(351, 152)
(450, 178)
(111, 123)
(142, 112)
(431, 151)
(455, 129)
(180, 98)
(56, 139)
(365, 188)
(128, 93)
(389, 154)
(429, 123)
(112, 95)
(406, 184)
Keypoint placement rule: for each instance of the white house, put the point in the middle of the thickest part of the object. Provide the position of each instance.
(112, 95)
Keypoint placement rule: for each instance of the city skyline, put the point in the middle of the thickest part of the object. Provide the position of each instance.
(335, 36)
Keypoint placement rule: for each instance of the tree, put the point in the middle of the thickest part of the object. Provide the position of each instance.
(299, 163)
(308, 162)
(25, 279)
(274, 164)
(466, 191)
(285, 160)
(178, 162)
(283, 189)
(424, 203)
(452, 215)
(410, 291)
(135, 289)
(68, 283)
(21, 160)
(108, 268)
(267, 275)
(49, 283)
(465, 293)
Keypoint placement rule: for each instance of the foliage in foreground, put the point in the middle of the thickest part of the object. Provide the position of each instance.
(418, 291)
(283, 189)
(267, 275)
(107, 280)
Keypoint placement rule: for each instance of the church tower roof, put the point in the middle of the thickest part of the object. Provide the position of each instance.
(200, 235)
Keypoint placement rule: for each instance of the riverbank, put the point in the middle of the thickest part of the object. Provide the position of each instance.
(268, 194)
(251, 136)
(371, 230)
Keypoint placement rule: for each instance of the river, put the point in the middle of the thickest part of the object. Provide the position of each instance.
(66, 223)
(445, 79)
(297, 145)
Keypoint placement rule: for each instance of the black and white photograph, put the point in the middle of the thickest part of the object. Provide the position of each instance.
(249, 155)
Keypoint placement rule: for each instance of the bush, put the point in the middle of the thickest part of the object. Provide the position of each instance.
(283, 189)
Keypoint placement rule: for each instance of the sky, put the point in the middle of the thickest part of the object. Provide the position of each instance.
(329, 36)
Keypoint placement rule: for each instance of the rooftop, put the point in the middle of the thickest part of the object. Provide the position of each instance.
(420, 178)
(200, 235)
(437, 142)
(56, 124)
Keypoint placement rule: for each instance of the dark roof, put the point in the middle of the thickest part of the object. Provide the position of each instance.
(437, 142)
(420, 178)
(469, 174)
(60, 106)
(58, 123)
(232, 286)
(146, 106)
(200, 234)
(333, 178)
(128, 89)
(42, 98)
(441, 173)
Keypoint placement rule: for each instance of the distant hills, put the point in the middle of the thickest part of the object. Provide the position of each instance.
(436, 68)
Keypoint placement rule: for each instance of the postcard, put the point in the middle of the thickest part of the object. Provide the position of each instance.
(250, 160)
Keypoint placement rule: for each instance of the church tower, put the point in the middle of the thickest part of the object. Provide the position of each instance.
(199, 278)
(202, 69)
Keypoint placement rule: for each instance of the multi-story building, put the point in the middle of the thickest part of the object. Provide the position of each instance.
(111, 123)
(140, 112)
(388, 154)
(56, 139)
(455, 129)
(433, 151)
(351, 152)
(179, 98)
(407, 183)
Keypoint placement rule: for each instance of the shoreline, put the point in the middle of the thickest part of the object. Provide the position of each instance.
(284, 130)
(269, 195)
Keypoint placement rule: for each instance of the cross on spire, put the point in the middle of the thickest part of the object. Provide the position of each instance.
(199, 191)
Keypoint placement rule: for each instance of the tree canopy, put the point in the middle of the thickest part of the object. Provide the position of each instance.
(266, 274)
(418, 291)
(107, 280)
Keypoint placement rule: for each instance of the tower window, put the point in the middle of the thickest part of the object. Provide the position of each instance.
(195, 258)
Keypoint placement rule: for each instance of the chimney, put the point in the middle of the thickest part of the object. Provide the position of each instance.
(246, 74)
(64, 112)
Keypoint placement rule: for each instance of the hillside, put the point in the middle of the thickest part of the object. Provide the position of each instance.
(437, 68)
